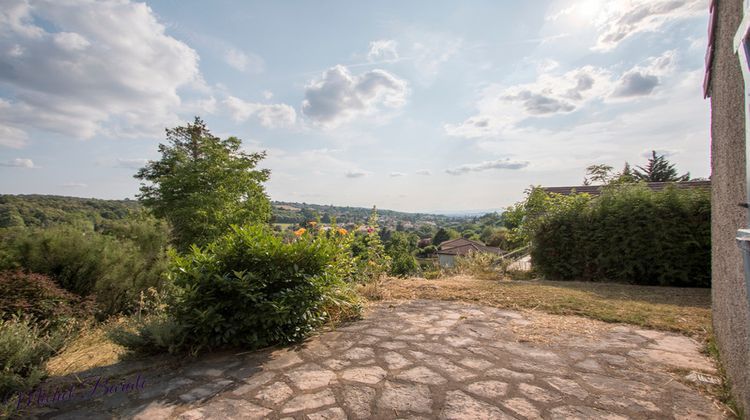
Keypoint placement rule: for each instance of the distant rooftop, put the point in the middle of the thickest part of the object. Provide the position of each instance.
(463, 246)
(656, 186)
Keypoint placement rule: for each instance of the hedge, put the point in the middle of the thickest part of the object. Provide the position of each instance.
(629, 234)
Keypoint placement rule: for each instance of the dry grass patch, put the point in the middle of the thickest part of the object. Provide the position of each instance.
(92, 348)
(684, 310)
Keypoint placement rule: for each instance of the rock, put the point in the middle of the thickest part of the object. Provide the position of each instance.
(204, 391)
(334, 413)
(523, 407)
(275, 393)
(412, 397)
(488, 389)
(309, 401)
(310, 376)
(460, 406)
(567, 386)
(538, 394)
(358, 400)
(366, 374)
(422, 375)
(583, 413)
(395, 361)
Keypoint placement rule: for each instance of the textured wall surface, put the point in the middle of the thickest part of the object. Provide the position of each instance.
(730, 304)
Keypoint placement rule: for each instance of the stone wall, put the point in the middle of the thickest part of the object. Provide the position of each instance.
(730, 303)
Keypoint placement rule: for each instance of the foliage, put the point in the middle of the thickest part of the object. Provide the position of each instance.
(370, 257)
(497, 237)
(401, 248)
(48, 210)
(481, 265)
(600, 174)
(24, 347)
(203, 184)
(629, 234)
(111, 268)
(445, 234)
(252, 289)
(38, 297)
(523, 218)
(659, 169)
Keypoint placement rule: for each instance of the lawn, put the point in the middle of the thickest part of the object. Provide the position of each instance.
(683, 310)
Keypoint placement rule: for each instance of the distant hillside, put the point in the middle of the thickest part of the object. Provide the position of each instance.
(289, 212)
(45, 210)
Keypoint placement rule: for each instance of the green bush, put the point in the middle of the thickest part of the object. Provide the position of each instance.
(111, 268)
(371, 261)
(252, 289)
(25, 345)
(629, 234)
(403, 264)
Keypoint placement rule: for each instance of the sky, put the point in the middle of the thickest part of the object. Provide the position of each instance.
(412, 106)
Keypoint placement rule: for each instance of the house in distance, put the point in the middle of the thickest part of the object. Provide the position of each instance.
(448, 250)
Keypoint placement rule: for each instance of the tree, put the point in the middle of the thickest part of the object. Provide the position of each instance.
(659, 169)
(444, 234)
(601, 174)
(203, 184)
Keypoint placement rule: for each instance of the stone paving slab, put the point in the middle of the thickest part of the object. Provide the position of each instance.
(429, 359)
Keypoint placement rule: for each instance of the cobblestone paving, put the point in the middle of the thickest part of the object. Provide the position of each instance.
(429, 359)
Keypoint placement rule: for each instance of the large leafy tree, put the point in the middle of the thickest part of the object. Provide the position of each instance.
(203, 184)
(659, 169)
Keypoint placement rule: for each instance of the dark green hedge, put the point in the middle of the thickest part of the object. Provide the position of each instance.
(629, 234)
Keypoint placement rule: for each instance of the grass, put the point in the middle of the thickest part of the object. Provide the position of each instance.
(683, 310)
(92, 348)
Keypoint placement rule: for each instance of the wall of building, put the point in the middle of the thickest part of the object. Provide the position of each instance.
(730, 303)
(446, 261)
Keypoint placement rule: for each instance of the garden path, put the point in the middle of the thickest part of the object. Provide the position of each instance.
(428, 359)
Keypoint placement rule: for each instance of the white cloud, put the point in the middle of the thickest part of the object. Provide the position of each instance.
(500, 108)
(383, 50)
(635, 83)
(19, 163)
(10, 136)
(340, 96)
(487, 165)
(425, 172)
(396, 174)
(641, 80)
(74, 185)
(103, 67)
(269, 116)
(355, 173)
(267, 94)
(617, 21)
(430, 51)
(243, 61)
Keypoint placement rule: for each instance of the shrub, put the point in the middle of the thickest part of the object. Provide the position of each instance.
(252, 289)
(629, 234)
(24, 347)
(403, 264)
(370, 258)
(481, 265)
(37, 296)
(86, 263)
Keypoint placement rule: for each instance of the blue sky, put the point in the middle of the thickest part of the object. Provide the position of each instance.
(416, 106)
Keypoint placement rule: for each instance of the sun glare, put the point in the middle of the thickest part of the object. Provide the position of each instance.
(588, 9)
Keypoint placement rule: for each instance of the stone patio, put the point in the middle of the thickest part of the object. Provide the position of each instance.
(427, 359)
